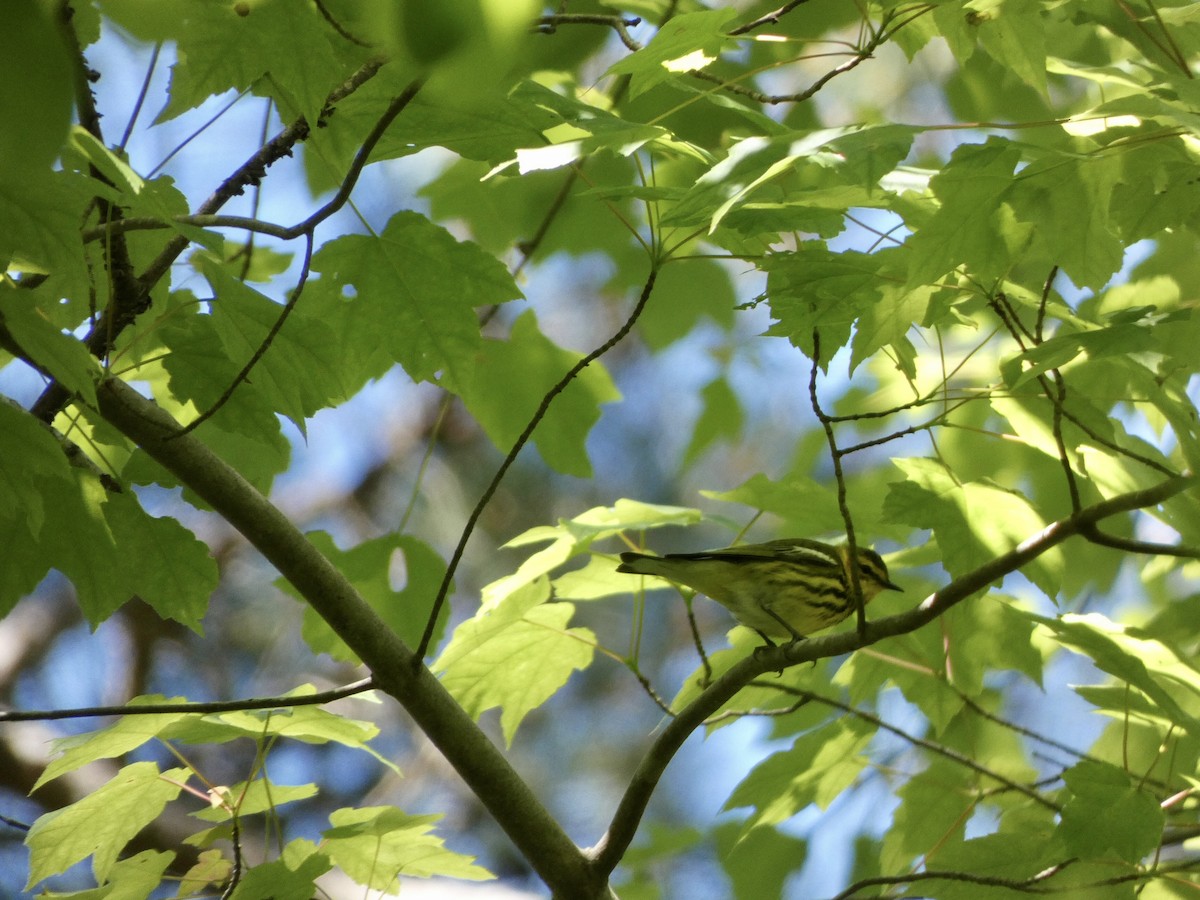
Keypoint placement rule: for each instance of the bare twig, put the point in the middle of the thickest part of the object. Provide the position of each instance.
(306, 229)
(1131, 545)
(118, 268)
(1019, 729)
(771, 18)
(339, 27)
(1031, 885)
(133, 299)
(522, 440)
(835, 456)
(1024, 885)
(141, 97)
(217, 706)
(861, 55)
(933, 747)
(619, 24)
(651, 692)
(14, 823)
(262, 348)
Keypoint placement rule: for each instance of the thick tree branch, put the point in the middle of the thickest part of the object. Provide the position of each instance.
(619, 24)
(395, 669)
(611, 848)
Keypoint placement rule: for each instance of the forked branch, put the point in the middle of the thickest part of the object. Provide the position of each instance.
(611, 848)
(396, 670)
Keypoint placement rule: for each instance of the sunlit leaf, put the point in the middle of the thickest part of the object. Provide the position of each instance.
(376, 846)
(102, 823)
(514, 655)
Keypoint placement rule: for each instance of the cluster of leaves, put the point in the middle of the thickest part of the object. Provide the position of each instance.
(373, 845)
(964, 271)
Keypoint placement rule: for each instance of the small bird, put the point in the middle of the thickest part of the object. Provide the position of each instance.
(787, 588)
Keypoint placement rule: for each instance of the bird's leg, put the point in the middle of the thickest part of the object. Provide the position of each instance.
(797, 637)
(767, 646)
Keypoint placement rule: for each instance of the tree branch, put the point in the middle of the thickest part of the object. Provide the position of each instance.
(117, 265)
(215, 706)
(394, 667)
(262, 348)
(771, 18)
(126, 305)
(611, 848)
(835, 456)
(860, 55)
(1030, 885)
(522, 439)
(940, 749)
(619, 24)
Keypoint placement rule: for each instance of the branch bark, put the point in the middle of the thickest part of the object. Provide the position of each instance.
(396, 670)
(609, 851)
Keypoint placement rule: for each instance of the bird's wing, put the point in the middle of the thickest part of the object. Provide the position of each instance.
(796, 548)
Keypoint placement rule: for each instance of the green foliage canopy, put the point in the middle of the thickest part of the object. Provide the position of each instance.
(973, 224)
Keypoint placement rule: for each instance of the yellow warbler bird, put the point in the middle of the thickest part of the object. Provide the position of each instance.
(786, 589)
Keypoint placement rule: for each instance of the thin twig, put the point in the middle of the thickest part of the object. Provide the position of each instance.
(1168, 47)
(196, 132)
(697, 642)
(306, 229)
(861, 54)
(931, 746)
(1176, 54)
(261, 349)
(999, 304)
(976, 707)
(651, 692)
(344, 190)
(247, 249)
(771, 18)
(14, 823)
(141, 97)
(339, 27)
(835, 456)
(283, 232)
(216, 706)
(522, 440)
(118, 268)
(1024, 885)
(1030, 885)
(1043, 302)
(1131, 545)
(903, 432)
